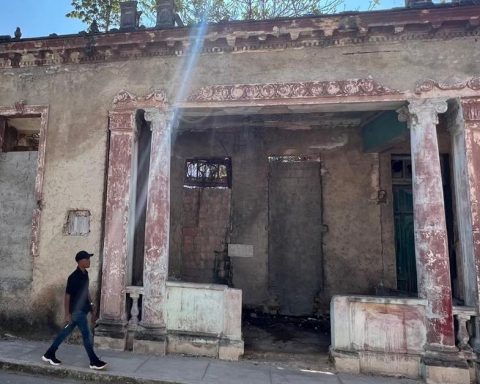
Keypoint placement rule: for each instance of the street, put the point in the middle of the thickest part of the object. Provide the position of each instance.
(21, 378)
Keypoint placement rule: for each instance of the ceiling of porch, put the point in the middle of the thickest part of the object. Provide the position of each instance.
(291, 117)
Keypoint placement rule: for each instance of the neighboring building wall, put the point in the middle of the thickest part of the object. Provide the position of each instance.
(17, 201)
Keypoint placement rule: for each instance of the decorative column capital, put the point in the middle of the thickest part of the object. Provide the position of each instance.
(471, 108)
(161, 120)
(122, 121)
(421, 111)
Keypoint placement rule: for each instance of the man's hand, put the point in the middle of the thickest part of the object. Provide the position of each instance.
(93, 314)
(66, 306)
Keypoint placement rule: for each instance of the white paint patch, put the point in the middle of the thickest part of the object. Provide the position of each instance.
(335, 142)
(240, 250)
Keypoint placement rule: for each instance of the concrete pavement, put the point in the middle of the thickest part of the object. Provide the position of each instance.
(127, 367)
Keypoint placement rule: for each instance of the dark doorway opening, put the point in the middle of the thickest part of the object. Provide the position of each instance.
(142, 168)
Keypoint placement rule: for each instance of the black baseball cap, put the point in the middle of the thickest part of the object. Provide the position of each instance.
(83, 255)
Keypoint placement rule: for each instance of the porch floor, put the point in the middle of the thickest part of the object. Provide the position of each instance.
(292, 342)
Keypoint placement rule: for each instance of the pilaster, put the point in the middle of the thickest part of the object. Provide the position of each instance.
(466, 259)
(471, 116)
(111, 332)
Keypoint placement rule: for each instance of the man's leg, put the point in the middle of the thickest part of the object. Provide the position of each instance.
(49, 356)
(82, 322)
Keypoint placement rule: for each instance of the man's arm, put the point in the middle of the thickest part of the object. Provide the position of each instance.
(66, 307)
(93, 309)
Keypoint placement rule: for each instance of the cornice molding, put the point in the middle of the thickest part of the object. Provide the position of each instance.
(365, 28)
(301, 90)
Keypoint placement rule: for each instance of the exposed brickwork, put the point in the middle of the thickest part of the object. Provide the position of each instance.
(206, 221)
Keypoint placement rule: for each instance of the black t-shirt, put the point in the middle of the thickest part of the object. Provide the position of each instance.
(77, 288)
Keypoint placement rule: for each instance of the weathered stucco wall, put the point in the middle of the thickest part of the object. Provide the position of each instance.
(17, 201)
(79, 97)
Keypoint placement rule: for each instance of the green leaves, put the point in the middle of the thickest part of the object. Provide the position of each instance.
(107, 12)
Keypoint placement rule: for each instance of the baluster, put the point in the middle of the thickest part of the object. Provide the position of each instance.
(134, 312)
(476, 330)
(462, 334)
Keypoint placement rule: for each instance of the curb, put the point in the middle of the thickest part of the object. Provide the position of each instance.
(75, 373)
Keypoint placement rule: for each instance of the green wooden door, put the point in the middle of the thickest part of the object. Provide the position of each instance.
(403, 214)
(404, 238)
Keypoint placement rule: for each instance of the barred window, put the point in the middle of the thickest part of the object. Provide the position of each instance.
(204, 173)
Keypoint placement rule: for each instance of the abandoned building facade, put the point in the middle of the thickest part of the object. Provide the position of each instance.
(315, 166)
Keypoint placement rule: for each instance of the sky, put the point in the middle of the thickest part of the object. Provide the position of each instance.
(38, 18)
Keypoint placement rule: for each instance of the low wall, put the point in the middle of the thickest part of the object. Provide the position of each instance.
(378, 335)
(204, 319)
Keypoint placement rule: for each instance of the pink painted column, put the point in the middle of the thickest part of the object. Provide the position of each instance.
(111, 332)
(468, 133)
(152, 336)
(431, 245)
(471, 116)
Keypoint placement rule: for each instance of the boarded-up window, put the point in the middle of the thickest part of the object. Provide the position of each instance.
(78, 223)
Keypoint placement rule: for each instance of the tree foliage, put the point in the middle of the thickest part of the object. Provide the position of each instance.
(106, 13)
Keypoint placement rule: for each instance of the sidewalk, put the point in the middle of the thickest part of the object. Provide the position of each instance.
(128, 367)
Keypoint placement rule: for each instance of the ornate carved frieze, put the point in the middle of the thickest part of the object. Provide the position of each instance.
(128, 100)
(429, 85)
(272, 91)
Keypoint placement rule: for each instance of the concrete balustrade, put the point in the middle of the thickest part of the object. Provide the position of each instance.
(201, 319)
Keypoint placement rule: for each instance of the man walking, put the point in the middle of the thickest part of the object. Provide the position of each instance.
(77, 305)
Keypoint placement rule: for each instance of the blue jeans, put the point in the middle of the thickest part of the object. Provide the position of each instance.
(78, 319)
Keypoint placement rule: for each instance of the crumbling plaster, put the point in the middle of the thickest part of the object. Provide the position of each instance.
(80, 95)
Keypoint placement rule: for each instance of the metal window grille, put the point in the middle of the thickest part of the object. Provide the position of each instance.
(204, 173)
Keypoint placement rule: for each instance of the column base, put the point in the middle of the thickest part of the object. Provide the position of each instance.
(377, 363)
(444, 368)
(204, 345)
(346, 361)
(110, 335)
(230, 349)
(150, 341)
